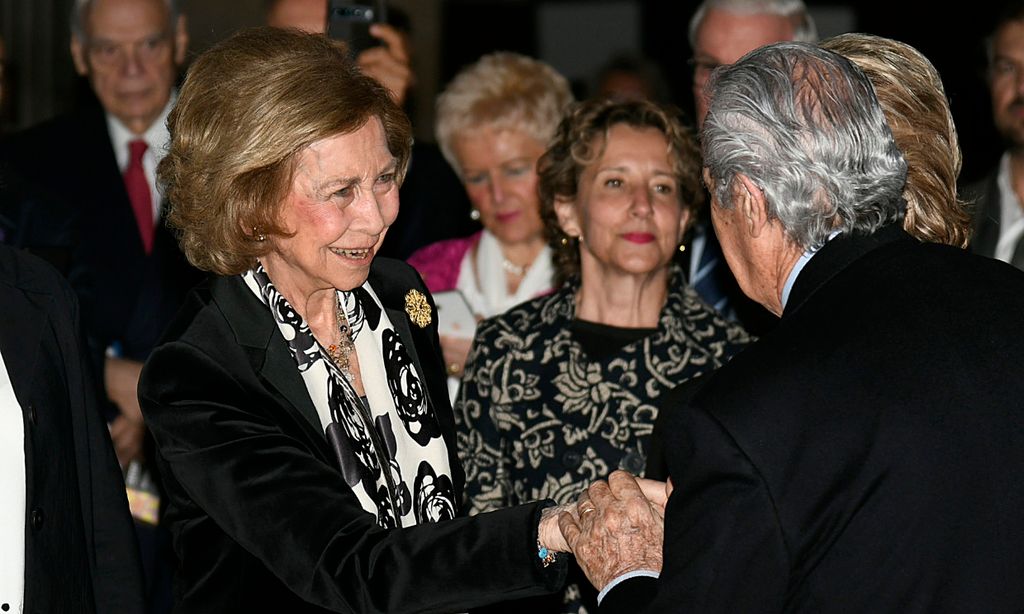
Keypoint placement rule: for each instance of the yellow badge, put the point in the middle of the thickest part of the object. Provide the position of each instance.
(418, 308)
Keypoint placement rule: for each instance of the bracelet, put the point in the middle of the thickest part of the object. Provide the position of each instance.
(546, 556)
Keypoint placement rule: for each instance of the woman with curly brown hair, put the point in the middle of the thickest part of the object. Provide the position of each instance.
(564, 389)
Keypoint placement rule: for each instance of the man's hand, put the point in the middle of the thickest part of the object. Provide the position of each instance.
(388, 63)
(617, 530)
(127, 431)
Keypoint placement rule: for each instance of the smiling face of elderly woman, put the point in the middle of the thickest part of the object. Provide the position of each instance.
(343, 198)
(283, 152)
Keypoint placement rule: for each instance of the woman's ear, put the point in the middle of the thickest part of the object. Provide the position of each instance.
(568, 217)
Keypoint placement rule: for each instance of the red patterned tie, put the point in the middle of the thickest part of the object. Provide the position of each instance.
(138, 192)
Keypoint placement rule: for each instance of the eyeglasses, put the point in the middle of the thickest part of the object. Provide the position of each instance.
(107, 54)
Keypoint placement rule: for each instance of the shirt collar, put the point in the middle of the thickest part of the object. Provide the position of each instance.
(799, 266)
(156, 136)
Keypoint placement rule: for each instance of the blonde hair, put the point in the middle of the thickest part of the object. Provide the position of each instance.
(247, 109)
(910, 92)
(501, 90)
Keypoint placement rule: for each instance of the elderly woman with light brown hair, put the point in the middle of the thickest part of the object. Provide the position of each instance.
(564, 389)
(910, 91)
(493, 122)
(298, 401)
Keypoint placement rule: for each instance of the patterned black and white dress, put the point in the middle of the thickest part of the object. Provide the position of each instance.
(540, 418)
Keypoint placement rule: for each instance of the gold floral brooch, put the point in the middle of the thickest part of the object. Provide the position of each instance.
(418, 308)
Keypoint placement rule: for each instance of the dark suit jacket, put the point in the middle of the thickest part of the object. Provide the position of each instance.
(127, 296)
(80, 551)
(983, 195)
(865, 456)
(261, 516)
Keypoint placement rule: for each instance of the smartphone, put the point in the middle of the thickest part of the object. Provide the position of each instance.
(350, 22)
(454, 316)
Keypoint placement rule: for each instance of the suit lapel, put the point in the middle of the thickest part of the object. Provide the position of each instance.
(21, 336)
(391, 281)
(268, 352)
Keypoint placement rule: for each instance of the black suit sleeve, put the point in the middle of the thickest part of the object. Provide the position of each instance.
(223, 442)
(109, 533)
(724, 550)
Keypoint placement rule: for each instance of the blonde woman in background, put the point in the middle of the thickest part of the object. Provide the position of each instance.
(910, 92)
(493, 122)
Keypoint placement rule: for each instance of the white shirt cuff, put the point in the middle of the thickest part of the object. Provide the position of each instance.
(647, 573)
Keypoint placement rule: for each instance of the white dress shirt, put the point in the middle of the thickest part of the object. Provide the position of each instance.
(1011, 215)
(158, 140)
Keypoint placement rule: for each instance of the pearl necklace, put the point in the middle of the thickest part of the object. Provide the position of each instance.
(513, 268)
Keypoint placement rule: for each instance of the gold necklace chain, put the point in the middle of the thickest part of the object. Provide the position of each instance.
(341, 352)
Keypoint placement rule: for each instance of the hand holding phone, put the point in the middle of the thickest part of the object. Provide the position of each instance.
(350, 22)
(454, 316)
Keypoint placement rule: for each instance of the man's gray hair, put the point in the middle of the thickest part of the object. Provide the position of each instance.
(804, 29)
(803, 124)
(80, 8)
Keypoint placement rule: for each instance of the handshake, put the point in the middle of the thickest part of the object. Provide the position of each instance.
(614, 527)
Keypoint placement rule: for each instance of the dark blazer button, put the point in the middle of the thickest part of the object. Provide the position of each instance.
(31, 410)
(572, 459)
(36, 518)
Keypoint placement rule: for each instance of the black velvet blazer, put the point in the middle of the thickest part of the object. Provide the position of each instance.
(867, 455)
(262, 518)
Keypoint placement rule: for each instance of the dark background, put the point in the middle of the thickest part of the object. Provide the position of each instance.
(448, 34)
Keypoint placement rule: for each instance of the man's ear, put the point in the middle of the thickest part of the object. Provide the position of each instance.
(752, 204)
(568, 217)
(78, 55)
(180, 41)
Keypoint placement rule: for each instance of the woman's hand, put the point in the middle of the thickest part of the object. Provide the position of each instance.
(548, 533)
(455, 350)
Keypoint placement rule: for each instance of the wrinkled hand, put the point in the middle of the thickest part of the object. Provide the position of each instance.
(549, 533)
(127, 431)
(388, 63)
(656, 492)
(617, 530)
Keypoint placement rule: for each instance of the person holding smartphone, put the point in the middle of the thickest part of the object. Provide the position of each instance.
(387, 62)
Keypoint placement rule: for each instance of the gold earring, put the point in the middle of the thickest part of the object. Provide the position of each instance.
(258, 234)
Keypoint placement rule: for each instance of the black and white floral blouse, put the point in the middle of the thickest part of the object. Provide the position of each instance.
(538, 418)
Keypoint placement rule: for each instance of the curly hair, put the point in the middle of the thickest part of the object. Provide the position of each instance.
(248, 108)
(501, 90)
(580, 141)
